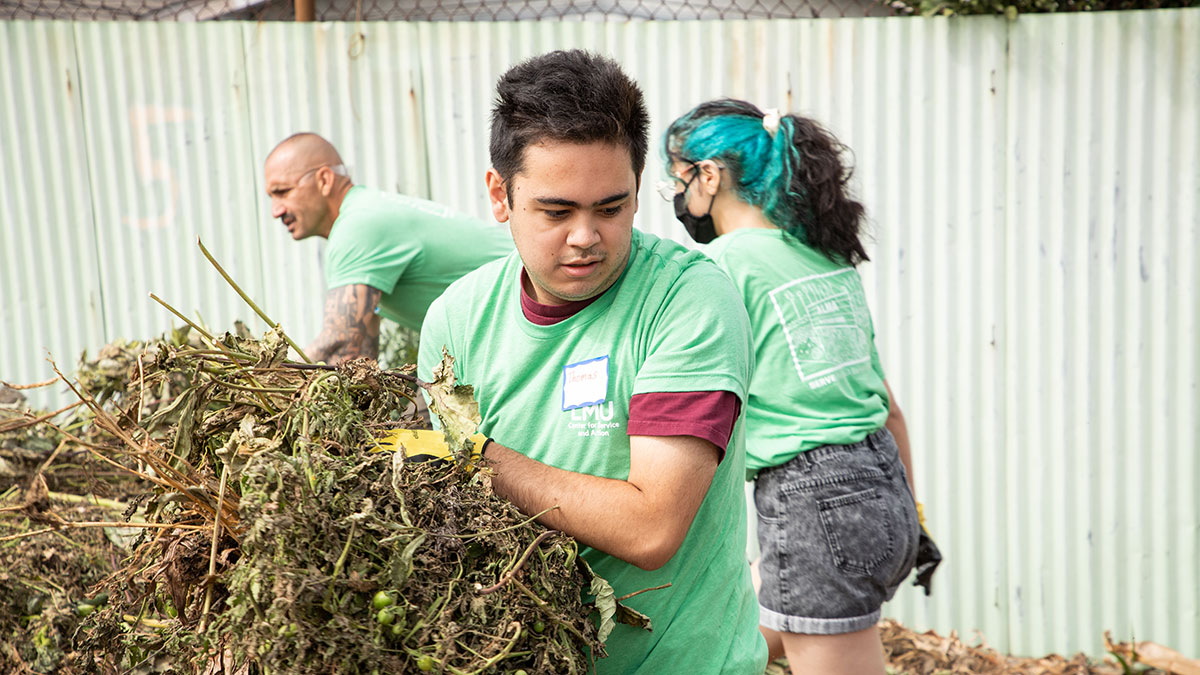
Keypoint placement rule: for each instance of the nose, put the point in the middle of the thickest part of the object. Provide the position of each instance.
(583, 233)
(276, 209)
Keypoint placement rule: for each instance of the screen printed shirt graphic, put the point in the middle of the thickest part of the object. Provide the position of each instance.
(817, 378)
(827, 324)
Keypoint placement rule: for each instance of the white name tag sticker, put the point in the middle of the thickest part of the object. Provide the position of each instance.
(585, 383)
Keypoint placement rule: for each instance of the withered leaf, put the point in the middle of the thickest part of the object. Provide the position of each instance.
(454, 404)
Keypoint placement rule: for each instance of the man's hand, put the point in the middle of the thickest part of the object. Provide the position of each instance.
(351, 326)
(426, 445)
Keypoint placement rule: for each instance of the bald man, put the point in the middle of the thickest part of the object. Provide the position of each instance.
(388, 255)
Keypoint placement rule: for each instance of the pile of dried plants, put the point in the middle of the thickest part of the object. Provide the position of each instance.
(269, 534)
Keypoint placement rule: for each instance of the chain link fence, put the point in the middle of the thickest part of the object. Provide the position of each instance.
(441, 10)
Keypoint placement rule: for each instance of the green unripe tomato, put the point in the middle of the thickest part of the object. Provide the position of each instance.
(83, 609)
(382, 599)
(99, 600)
(425, 663)
(520, 672)
(385, 616)
(539, 626)
(397, 629)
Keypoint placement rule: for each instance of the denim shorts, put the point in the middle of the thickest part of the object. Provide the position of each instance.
(837, 527)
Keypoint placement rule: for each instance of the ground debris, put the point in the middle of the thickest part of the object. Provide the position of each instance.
(928, 653)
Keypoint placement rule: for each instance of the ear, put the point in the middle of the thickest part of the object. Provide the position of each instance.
(710, 177)
(497, 195)
(325, 177)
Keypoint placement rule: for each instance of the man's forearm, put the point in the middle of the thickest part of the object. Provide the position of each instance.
(335, 347)
(642, 525)
(351, 326)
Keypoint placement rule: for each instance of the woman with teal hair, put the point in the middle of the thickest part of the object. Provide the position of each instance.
(826, 444)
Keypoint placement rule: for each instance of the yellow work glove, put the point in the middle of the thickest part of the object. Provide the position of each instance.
(427, 445)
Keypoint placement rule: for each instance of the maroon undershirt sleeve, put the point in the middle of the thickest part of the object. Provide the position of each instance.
(704, 414)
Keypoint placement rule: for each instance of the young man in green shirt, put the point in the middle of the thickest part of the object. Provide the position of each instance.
(389, 255)
(610, 368)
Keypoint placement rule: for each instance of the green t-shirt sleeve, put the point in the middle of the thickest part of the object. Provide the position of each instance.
(701, 338)
(368, 250)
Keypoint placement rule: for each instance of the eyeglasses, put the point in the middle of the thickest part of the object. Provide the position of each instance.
(306, 174)
(338, 170)
(667, 189)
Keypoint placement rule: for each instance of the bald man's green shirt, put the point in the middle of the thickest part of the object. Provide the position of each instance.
(409, 249)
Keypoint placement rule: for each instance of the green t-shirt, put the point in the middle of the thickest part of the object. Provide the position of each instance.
(817, 377)
(560, 394)
(410, 249)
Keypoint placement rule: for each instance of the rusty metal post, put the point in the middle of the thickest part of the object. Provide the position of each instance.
(306, 10)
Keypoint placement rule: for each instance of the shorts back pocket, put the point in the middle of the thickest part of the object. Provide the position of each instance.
(859, 531)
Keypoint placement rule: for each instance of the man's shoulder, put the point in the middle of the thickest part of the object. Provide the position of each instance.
(662, 256)
(365, 212)
(669, 263)
(480, 282)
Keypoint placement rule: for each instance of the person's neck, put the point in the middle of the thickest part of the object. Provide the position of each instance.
(335, 205)
(730, 213)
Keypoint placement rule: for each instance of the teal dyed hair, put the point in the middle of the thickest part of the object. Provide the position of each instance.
(796, 175)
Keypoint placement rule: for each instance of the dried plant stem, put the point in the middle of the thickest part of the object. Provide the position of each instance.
(341, 561)
(57, 449)
(321, 366)
(169, 476)
(489, 533)
(264, 390)
(257, 310)
(515, 628)
(143, 621)
(70, 524)
(30, 421)
(543, 605)
(108, 423)
(35, 385)
(91, 500)
(212, 554)
(94, 450)
(141, 390)
(627, 596)
(216, 343)
(208, 336)
(520, 563)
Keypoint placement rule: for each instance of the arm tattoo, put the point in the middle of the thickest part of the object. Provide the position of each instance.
(351, 326)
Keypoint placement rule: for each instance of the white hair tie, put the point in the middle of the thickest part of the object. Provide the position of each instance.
(771, 121)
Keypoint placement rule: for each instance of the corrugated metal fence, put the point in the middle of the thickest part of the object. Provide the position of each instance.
(1033, 187)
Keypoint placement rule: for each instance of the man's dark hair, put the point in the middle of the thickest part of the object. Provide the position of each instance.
(572, 96)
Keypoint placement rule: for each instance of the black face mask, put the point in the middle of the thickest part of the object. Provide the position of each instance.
(700, 228)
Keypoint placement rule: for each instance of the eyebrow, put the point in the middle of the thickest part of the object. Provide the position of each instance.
(558, 201)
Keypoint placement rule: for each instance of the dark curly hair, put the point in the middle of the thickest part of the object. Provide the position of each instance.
(795, 174)
(573, 96)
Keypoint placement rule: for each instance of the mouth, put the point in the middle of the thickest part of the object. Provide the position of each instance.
(581, 268)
